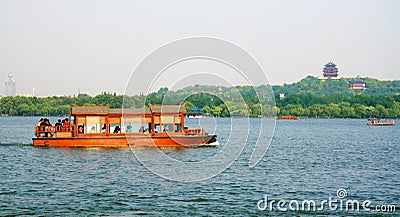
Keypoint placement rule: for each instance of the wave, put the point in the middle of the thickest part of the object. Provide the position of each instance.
(16, 144)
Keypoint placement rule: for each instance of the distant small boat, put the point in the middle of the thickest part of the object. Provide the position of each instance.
(195, 113)
(288, 118)
(378, 122)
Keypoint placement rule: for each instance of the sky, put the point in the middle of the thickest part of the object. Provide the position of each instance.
(65, 47)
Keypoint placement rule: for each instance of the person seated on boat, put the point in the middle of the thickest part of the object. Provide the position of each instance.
(58, 125)
(178, 128)
(40, 126)
(40, 121)
(129, 129)
(62, 124)
(66, 124)
(80, 129)
(93, 130)
(117, 129)
(103, 129)
(141, 129)
(166, 128)
(44, 125)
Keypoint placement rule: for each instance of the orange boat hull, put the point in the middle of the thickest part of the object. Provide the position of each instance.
(122, 141)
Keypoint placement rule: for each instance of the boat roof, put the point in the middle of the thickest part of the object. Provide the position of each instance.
(130, 111)
(168, 109)
(106, 110)
(92, 110)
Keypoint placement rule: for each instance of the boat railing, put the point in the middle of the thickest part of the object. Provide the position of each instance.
(47, 131)
(195, 131)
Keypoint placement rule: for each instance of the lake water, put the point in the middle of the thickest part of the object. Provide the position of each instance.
(308, 159)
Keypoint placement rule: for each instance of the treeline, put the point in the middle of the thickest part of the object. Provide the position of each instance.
(55, 105)
(339, 106)
(314, 86)
(308, 105)
(309, 97)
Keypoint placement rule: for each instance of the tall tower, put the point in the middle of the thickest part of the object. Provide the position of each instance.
(10, 89)
(330, 70)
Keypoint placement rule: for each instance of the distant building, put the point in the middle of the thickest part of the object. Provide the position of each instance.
(358, 84)
(33, 94)
(195, 113)
(281, 96)
(10, 89)
(330, 71)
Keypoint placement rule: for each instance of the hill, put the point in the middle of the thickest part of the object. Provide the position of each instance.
(314, 86)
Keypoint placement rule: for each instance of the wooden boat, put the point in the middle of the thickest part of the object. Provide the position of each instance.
(288, 118)
(378, 122)
(100, 126)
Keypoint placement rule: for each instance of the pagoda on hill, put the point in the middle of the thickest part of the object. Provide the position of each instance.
(330, 71)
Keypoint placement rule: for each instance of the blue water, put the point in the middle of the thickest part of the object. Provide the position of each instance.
(307, 160)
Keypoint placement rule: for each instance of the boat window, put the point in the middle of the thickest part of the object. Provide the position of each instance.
(167, 119)
(157, 128)
(115, 128)
(81, 128)
(132, 127)
(178, 128)
(132, 124)
(114, 124)
(94, 124)
(168, 128)
(168, 122)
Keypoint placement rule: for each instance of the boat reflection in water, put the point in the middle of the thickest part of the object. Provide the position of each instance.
(100, 126)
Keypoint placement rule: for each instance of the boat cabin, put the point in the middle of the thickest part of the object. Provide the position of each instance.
(87, 121)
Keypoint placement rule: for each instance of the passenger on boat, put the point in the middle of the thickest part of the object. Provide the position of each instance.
(47, 122)
(93, 130)
(103, 129)
(80, 129)
(41, 127)
(129, 129)
(58, 125)
(141, 129)
(44, 125)
(40, 121)
(117, 129)
(178, 128)
(66, 124)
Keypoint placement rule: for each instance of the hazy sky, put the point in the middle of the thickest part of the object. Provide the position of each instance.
(60, 47)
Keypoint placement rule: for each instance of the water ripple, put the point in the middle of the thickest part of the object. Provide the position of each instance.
(308, 159)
